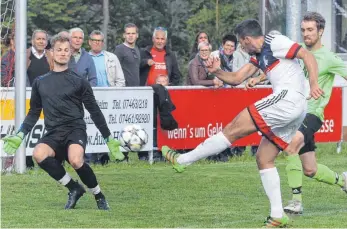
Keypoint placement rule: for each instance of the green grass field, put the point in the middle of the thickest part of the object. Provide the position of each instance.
(207, 195)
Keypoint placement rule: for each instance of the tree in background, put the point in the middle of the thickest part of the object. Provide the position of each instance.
(182, 18)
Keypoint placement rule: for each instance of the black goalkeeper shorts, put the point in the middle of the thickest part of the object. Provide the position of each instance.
(308, 128)
(60, 140)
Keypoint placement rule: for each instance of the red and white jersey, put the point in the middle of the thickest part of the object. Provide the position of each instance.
(277, 60)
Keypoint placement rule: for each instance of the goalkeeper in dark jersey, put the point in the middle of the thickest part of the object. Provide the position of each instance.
(61, 94)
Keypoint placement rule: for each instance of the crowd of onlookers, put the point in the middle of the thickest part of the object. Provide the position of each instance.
(128, 65)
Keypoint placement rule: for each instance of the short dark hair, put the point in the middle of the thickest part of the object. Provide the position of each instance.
(250, 27)
(229, 37)
(59, 38)
(96, 32)
(196, 42)
(131, 25)
(317, 17)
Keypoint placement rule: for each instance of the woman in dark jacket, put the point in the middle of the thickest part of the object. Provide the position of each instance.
(200, 37)
(197, 71)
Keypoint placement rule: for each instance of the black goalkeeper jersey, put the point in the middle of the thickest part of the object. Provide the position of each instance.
(62, 95)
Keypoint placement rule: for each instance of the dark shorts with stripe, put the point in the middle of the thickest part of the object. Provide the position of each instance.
(308, 128)
(59, 140)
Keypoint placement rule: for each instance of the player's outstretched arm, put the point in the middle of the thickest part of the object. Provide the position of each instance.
(98, 118)
(12, 142)
(232, 78)
(312, 68)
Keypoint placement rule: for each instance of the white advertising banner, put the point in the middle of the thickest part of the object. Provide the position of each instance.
(120, 106)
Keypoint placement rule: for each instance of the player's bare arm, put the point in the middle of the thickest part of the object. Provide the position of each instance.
(252, 82)
(232, 78)
(312, 68)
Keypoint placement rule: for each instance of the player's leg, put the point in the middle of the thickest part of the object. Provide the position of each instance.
(316, 171)
(295, 172)
(242, 125)
(307, 158)
(266, 155)
(302, 143)
(44, 154)
(279, 121)
(320, 172)
(76, 148)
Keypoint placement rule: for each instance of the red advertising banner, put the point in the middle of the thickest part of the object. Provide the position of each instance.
(201, 113)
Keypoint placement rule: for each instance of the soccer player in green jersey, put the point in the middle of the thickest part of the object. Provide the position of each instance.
(301, 156)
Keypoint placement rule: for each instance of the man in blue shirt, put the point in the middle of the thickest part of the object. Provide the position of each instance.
(109, 73)
(108, 69)
(80, 61)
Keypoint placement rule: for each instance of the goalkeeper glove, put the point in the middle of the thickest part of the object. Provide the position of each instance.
(12, 142)
(114, 147)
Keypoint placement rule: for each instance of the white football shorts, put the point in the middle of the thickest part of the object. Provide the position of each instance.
(279, 115)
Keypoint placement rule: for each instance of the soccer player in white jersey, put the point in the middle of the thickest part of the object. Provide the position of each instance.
(278, 116)
(301, 151)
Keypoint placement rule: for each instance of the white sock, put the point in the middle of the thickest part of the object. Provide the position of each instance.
(95, 190)
(272, 186)
(211, 146)
(65, 180)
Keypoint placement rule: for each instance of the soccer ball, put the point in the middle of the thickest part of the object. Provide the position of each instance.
(133, 138)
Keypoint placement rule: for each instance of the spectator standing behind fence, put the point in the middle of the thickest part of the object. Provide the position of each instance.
(108, 69)
(129, 56)
(39, 59)
(81, 62)
(39, 62)
(158, 60)
(200, 37)
(197, 71)
(109, 73)
(225, 52)
(7, 62)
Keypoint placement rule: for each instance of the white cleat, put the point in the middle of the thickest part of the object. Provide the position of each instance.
(294, 207)
(344, 175)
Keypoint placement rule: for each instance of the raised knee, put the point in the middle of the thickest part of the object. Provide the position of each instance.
(40, 154)
(264, 163)
(76, 162)
(232, 132)
(310, 172)
(295, 145)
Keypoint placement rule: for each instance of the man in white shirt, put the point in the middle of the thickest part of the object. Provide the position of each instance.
(39, 60)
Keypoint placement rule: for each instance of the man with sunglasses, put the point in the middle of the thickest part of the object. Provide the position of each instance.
(129, 56)
(157, 60)
(108, 69)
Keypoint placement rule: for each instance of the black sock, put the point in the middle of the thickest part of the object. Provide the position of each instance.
(72, 184)
(53, 168)
(99, 196)
(87, 176)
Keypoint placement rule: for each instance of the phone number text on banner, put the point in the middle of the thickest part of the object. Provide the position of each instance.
(120, 107)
